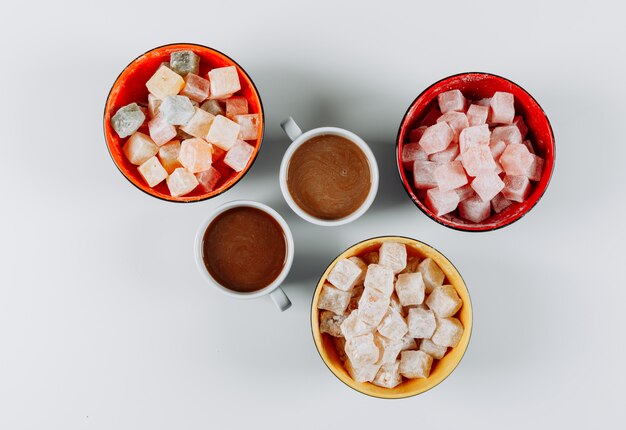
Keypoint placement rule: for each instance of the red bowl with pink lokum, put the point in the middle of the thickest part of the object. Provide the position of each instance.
(475, 152)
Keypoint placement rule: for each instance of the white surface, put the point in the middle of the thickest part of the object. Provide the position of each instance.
(105, 322)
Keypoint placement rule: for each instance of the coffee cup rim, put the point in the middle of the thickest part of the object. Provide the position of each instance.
(212, 281)
(371, 159)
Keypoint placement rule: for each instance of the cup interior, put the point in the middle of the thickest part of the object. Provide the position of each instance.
(441, 370)
(288, 242)
(130, 86)
(371, 159)
(477, 86)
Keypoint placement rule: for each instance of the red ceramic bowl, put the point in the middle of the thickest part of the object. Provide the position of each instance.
(130, 86)
(477, 86)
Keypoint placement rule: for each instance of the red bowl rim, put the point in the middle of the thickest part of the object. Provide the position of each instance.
(422, 207)
(176, 199)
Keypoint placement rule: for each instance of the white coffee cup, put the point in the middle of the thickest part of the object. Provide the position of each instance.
(298, 138)
(274, 290)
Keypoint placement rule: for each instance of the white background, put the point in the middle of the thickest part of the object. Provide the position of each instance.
(105, 322)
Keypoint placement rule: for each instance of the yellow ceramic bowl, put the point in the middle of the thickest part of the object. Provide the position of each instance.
(441, 369)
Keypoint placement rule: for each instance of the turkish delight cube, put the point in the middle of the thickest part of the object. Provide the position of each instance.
(432, 349)
(152, 171)
(410, 289)
(442, 201)
(127, 120)
(502, 108)
(333, 299)
(388, 375)
(345, 274)
(475, 209)
(168, 154)
(450, 176)
(516, 160)
(447, 155)
(516, 188)
(432, 275)
(362, 373)
(361, 264)
(238, 155)
(509, 134)
(184, 62)
(362, 349)
(518, 121)
(353, 326)
(448, 333)
(415, 364)
(208, 179)
(408, 343)
(444, 301)
(196, 88)
(416, 134)
(250, 126)
(457, 121)
(160, 130)
(380, 278)
(477, 115)
(535, 169)
(237, 105)
(478, 160)
(331, 323)
(181, 181)
(474, 136)
(177, 110)
(421, 323)
(195, 155)
(139, 148)
(412, 152)
(465, 192)
(394, 303)
(224, 82)
(223, 132)
(424, 174)
(373, 305)
(393, 256)
(500, 203)
(497, 148)
(392, 325)
(452, 100)
(165, 83)
(153, 105)
(487, 185)
(214, 107)
(199, 124)
(436, 138)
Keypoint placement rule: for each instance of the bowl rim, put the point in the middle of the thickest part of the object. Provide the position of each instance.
(176, 199)
(390, 237)
(438, 220)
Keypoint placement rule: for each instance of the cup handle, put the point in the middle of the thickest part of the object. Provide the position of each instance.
(291, 128)
(280, 299)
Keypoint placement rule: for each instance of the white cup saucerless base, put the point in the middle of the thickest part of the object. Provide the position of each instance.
(273, 290)
(298, 138)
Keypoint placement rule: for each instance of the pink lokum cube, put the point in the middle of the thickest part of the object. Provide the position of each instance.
(509, 134)
(160, 130)
(450, 176)
(195, 155)
(436, 138)
(208, 179)
(518, 121)
(199, 124)
(452, 100)
(249, 124)
(152, 171)
(238, 155)
(474, 136)
(535, 169)
(516, 160)
(497, 148)
(223, 132)
(445, 156)
(168, 155)
(516, 188)
(140, 147)
(196, 88)
(181, 182)
(412, 152)
(465, 192)
(487, 185)
(500, 203)
(236, 106)
(416, 134)
(475, 209)
(502, 108)
(442, 202)
(457, 121)
(477, 115)
(423, 174)
(477, 160)
(224, 82)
